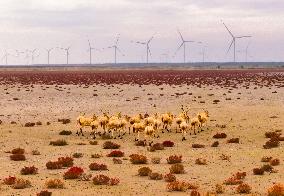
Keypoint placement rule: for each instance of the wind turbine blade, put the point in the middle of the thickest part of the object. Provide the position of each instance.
(228, 29)
(180, 35)
(189, 41)
(149, 51)
(141, 43)
(117, 39)
(150, 39)
(180, 46)
(245, 36)
(230, 46)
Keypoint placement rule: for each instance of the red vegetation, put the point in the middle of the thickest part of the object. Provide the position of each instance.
(170, 177)
(73, 173)
(18, 151)
(168, 143)
(110, 145)
(44, 193)
(116, 153)
(66, 161)
(29, 170)
(174, 159)
(97, 166)
(9, 180)
(220, 135)
(105, 180)
(18, 157)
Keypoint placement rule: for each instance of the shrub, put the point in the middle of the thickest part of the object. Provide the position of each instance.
(29, 124)
(117, 161)
(234, 140)
(18, 157)
(59, 142)
(54, 184)
(177, 169)
(97, 166)
(64, 120)
(104, 180)
(29, 170)
(138, 159)
(77, 155)
(38, 123)
(266, 159)
(219, 188)
(240, 175)
(168, 143)
(220, 136)
(243, 188)
(155, 176)
(110, 145)
(96, 156)
(158, 146)
(9, 180)
(113, 181)
(156, 160)
(18, 151)
(267, 168)
(198, 146)
(73, 173)
(106, 137)
(66, 161)
(276, 190)
(35, 152)
(233, 181)
(170, 177)
(225, 157)
(144, 171)
(195, 193)
(201, 161)
(258, 171)
(272, 143)
(44, 193)
(93, 142)
(116, 153)
(21, 183)
(64, 132)
(53, 165)
(174, 159)
(151, 149)
(140, 143)
(272, 134)
(177, 186)
(215, 144)
(274, 162)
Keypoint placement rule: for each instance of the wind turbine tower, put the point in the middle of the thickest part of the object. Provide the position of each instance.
(48, 54)
(67, 54)
(148, 51)
(233, 42)
(183, 43)
(116, 48)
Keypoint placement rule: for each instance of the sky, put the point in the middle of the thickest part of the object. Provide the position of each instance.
(34, 24)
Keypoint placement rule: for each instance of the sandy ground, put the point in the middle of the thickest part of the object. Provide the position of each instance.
(247, 118)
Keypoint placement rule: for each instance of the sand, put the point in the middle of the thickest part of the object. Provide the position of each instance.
(246, 116)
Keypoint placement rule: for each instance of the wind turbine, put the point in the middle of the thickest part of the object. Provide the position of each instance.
(183, 43)
(115, 47)
(6, 55)
(148, 51)
(202, 53)
(233, 42)
(90, 50)
(33, 52)
(247, 52)
(48, 54)
(67, 54)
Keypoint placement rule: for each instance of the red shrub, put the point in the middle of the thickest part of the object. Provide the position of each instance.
(18, 151)
(174, 159)
(44, 193)
(73, 173)
(220, 135)
(170, 177)
(53, 165)
(116, 153)
(18, 157)
(97, 166)
(29, 170)
(9, 180)
(168, 143)
(105, 180)
(138, 159)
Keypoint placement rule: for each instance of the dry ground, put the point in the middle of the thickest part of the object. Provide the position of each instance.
(248, 118)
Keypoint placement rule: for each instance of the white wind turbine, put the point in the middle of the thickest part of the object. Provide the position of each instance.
(90, 51)
(5, 57)
(233, 42)
(48, 54)
(183, 43)
(116, 48)
(148, 51)
(67, 53)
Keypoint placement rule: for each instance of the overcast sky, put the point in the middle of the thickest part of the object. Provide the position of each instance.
(29, 24)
